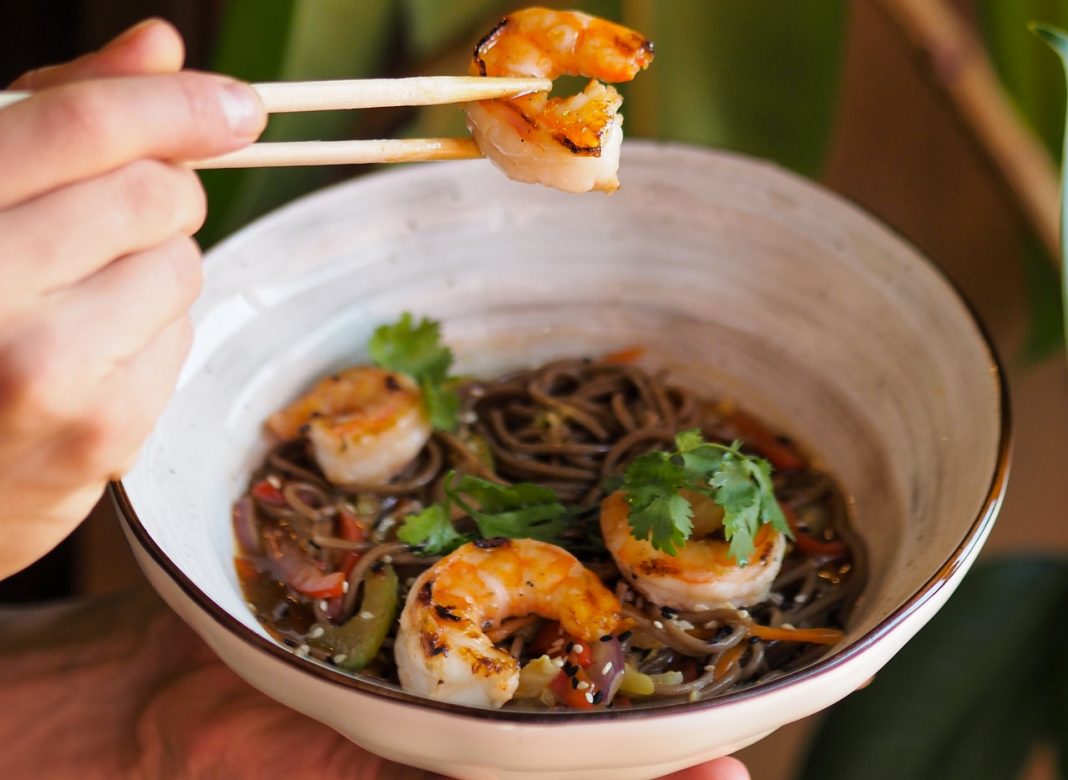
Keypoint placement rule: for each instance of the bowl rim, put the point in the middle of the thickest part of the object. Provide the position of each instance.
(964, 550)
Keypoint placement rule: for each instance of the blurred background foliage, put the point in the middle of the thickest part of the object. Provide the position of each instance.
(987, 680)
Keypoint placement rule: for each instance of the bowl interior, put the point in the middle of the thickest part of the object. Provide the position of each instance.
(741, 280)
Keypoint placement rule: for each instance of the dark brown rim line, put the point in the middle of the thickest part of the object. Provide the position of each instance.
(984, 519)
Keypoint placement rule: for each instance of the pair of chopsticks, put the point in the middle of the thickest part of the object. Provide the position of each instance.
(296, 96)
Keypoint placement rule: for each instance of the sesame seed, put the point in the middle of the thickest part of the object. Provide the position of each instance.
(800, 598)
(251, 606)
(695, 695)
(316, 632)
(323, 605)
(743, 614)
(574, 682)
(558, 662)
(658, 625)
(754, 640)
(597, 697)
(710, 668)
(303, 650)
(577, 648)
(625, 636)
(365, 615)
(570, 647)
(788, 626)
(583, 685)
(345, 586)
(701, 607)
(606, 668)
(387, 559)
(589, 697)
(339, 658)
(606, 638)
(274, 481)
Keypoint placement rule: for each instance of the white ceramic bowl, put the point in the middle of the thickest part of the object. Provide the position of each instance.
(744, 281)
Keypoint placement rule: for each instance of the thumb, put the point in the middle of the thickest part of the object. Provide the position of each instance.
(152, 46)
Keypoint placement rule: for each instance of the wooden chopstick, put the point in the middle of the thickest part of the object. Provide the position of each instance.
(392, 150)
(290, 96)
(293, 96)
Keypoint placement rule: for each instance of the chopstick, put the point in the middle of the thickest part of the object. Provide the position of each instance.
(283, 97)
(296, 96)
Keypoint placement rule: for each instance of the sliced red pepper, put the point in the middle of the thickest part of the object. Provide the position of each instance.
(810, 545)
(301, 574)
(554, 642)
(350, 528)
(351, 559)
(570, 696)
(266, 492)
(749, 430)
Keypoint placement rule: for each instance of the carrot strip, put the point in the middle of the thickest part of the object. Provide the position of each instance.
(815, 636)
(624, 357)
(727, 658)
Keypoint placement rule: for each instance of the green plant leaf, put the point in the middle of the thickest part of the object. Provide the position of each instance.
(759, 76)
(1058, 41)
(289, 40)
(1045, 333)
(966, 697)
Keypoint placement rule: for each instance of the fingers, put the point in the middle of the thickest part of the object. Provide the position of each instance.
(153, 46)
(77, 131)
(133, 208)
(726, 768)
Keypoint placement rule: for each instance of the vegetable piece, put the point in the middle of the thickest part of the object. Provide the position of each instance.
(574, 691)
(351, 528)
(810, 545)
(297, 571)
(815, 636)
(519, 511)
(356, 643)
(536, 677)
(634, 683)
(416, 350)
(739, 483)
(268, 493)
(246, 530)
(431, 531)
(606, 669)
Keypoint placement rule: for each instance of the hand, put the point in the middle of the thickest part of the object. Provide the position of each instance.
(98, 267)
(122, 688)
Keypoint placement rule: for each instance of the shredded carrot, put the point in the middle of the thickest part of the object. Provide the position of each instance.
(624, 356)
(246, 569)
(727, 659)
(815, 636)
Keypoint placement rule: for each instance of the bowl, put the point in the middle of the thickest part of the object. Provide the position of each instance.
(740, 279)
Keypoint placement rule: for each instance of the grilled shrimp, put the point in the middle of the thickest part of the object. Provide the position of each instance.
(570, 143)
(365, 424)
(442, 650)
(702, 574)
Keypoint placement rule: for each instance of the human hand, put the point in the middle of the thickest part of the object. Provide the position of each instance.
(122, 688)
(98, 267)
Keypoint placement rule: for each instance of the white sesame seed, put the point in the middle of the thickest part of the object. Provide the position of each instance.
(323, 605)
(800, 598)
(558, 662)
(387, 559)
(710, 668)
(606, 668)
(743, 613)
(251, 606)
(469, 600)
(303, 650)
(695, 695)
(788, 626)
(339, 658)
(701, 607)
(577, 648)
(468, 418)
(589, 697)
(658, 625)
(345, 586)
(365, 615)
(316, 632)
(583, 685)
(274, 481)
(409, 582)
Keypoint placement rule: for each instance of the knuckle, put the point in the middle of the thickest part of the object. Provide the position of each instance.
(84, 112)
(93, 448)
(160, 197)
(186, 268)
(30, 374)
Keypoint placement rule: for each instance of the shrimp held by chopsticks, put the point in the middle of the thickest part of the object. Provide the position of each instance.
(570, 143)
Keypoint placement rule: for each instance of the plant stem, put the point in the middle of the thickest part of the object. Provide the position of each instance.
(957, 63)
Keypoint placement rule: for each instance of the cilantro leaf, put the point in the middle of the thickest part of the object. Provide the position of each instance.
(741, 484)
(431, 531)
(520, 511)
(411, 349)
(416, 350)
(657, 512)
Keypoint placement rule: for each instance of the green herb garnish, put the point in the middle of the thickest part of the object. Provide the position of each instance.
(739, 483)
(416, 350)
(520, 511)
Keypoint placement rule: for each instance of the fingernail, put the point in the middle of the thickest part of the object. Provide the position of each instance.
(243, 109)
(130, 32)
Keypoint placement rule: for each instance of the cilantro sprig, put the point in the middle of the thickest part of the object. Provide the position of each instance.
(739, 483)
(520, 511)
(416, 350)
